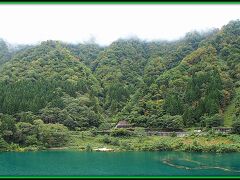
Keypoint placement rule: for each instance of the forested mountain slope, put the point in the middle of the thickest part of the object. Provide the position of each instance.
(198, 89)
(50, 82)
(164, 84)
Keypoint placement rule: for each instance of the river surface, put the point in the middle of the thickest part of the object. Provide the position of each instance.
(74, 163)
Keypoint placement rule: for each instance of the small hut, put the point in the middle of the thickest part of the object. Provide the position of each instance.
(123, 124)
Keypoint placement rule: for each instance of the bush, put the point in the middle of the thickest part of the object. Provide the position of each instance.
(3, 145)
(53, 135)
(194, 148)
(224, 148)
(234, 138)
(94, 132)
(121, 133)
(106, 139)
(179, 145)
(211, 133)
(236, 127)
(125, 146)
(89, 148)
(168, 122)
(162, 146)
(140, 132)
(7, 127)
(28, 117)
(31, 140)
(212, 121)
(15, 147)
(104, 126)
(115, 142)
(31, 148)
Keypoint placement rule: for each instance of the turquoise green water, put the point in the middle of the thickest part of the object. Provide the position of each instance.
(73, 163)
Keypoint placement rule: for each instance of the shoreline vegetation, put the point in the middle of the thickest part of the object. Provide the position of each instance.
(88, 141)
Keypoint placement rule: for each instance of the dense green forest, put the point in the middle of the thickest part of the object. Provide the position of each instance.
(49, 89)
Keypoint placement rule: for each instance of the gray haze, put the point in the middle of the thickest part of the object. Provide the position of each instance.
(27, 24)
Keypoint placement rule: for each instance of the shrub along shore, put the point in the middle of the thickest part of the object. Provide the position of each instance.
(123, 140)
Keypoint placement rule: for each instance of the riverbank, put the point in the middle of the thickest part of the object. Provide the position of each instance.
(86, 141)
(194, 143)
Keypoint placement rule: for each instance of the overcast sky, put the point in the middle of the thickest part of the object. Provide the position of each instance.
(24, 24)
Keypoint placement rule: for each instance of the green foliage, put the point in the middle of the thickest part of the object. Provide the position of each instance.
(140, 132)
(87, 52)
(195, 147)
(93, 131)
(106, 139)
(116, 97)
(212, 121)
(236, 126)
(7, 127)
(163, 146)
(52, 135)
(115, 142)
(88, 148)
(173, 134)
(28, 117)
(125, 146)
(121, 133)
(167, 122)
(26, 133)
(105, 126)
(173, 105)
(47, 88)
(3, 144)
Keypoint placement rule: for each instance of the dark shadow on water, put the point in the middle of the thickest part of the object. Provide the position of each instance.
(189, 164)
